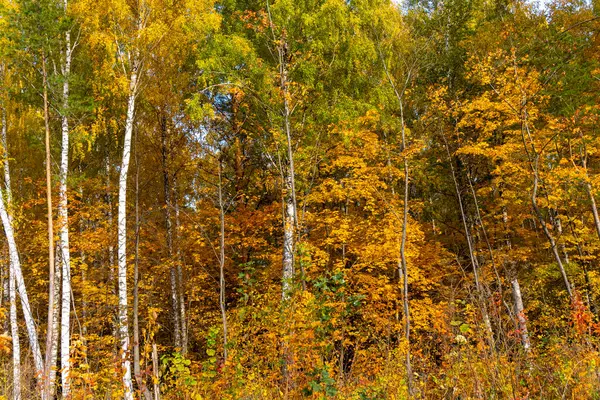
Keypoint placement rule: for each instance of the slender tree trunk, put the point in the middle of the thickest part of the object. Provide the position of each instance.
(136, 299)
(55, 324)
(520, 313)
(49, 336)
(538, 213)
(288, 242)
(111, 256)
(21, 289)
(122, 237)
(169, 230)
(222, 263)
(180, 282)
(291, 218)
(65, 255)
(83, 266)
(14, 331)
(17, 274)
(12, 295)
(588, 188)
(404, 273)
(404, 268)
(155, 377)
(533, 157)
(473, 258)
(590, 192)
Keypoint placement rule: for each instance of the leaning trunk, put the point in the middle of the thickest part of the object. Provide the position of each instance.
(540, 217)
(21, 288)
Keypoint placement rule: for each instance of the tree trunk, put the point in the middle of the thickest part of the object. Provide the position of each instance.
(55, 325)
(288, 242)
(21, 288)
(290, 223)
(123, 324)
(169, 231)
(14, 332)
(12, 295)
(404, 269)
(136, 299)
(474, 263)
(588, 188)
(65, 255)
(520, 313)
(180, 282)
(590, 192)
(538, 213)
(222, 263)
(155, 377)
(49, 336)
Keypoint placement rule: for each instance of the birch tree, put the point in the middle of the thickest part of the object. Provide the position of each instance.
(12, 295)
(63, 222)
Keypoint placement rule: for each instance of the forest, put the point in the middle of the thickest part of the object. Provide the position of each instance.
(299, 199)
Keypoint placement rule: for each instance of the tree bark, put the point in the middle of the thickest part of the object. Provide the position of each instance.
(65, 255)
(123, 324)
(290, 223)
(14, 332)
(55, 324)
(12, 295)
(136, 299)
(49, 336)
(290, 216)
(222, 263)
(169, 230)
(155, 377)
(180, 282)
(520, 313)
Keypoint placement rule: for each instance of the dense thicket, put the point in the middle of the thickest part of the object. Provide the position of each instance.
(299, 199)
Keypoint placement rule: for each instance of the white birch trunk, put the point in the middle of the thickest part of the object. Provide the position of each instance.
(180, 284)
(12, 295)
(55, 326)
(65, 256)
(14, 332)
(122, 238)
(520, 313)
(288, 241)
